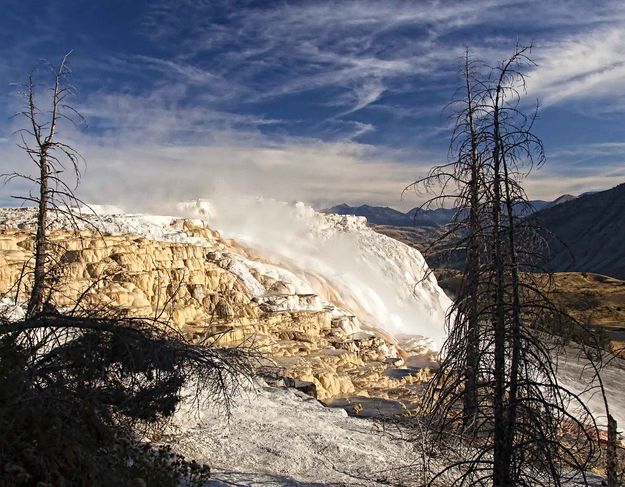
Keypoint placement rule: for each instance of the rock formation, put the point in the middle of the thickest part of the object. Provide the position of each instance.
(211, 292)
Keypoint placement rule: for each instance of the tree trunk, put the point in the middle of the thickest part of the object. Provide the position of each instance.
(501, 457)
(35, 303)
(515, 345)
(470, 399)
(611, 461)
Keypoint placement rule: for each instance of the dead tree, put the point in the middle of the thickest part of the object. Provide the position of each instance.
(52, 159)
(521, 409)
(471, 310)
(459, 183)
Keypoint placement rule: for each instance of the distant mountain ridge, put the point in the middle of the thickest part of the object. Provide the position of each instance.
(589, 233)
(383, 215)
(376, 215)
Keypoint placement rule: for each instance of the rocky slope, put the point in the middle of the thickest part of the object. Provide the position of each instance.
(213, 289)
(589, 233)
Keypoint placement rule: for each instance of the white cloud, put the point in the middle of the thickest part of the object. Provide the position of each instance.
(135, 159)
(352, 45)
(549, 187)
(596, 149)
(320, 174)
(365, 49)
(589, 65)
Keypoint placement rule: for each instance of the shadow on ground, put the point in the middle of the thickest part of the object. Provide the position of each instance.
(253, 479)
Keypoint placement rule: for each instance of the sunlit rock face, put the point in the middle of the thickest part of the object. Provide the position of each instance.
(317, 314)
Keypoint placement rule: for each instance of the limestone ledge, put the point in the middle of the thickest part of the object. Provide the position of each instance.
(194, 288)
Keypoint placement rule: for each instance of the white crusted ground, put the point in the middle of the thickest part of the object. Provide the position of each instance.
(281, 437)
(575, 373)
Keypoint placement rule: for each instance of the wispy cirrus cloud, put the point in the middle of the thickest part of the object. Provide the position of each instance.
(301, 47)
(363, 53)
(590, 65)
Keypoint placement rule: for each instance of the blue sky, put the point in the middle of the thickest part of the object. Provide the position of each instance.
(317, 101)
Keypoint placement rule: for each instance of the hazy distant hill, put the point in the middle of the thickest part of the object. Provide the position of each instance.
(593, 228)
(383, 215)
(379, 215)
(591, 225)
(562, 199)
